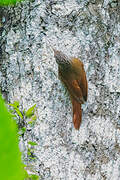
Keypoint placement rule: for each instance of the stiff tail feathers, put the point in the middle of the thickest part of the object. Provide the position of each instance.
(77, 113)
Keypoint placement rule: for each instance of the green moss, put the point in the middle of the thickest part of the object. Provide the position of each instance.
(30, 111)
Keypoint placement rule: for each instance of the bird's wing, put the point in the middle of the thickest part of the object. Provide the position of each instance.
(83, 84)
(73, 88)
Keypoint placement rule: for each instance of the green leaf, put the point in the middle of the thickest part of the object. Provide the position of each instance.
(32, 143)
(34, 118)
(30, 122)
(30, 111)
(15, 104)
(19, 113)
(34, 177)
(29, 152)
(22, 131)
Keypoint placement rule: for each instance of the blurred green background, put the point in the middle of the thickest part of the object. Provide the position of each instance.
(8, 2)
(11, 167)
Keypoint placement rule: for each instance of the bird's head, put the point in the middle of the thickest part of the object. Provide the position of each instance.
(61, 58)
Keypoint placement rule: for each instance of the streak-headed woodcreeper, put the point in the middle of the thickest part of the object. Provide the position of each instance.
(72, 74)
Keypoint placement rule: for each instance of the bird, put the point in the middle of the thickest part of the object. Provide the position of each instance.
(72, 74)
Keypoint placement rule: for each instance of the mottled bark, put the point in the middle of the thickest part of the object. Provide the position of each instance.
(89, 30)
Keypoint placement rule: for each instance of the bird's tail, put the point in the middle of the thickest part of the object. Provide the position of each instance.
(77, 113)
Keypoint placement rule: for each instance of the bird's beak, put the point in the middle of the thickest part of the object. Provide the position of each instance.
(55, 51)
